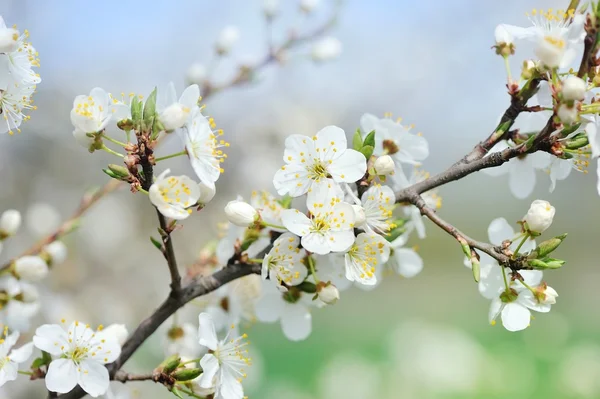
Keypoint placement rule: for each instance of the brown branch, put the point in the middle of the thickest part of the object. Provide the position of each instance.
(71, 223)
(122, 376)
(169, 254)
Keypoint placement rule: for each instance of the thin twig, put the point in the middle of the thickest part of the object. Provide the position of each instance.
(122, 376)
(169, 254)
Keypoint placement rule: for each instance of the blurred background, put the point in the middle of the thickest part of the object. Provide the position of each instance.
(429, 62)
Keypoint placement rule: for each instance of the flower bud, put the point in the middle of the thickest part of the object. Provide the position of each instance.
(326, 49)
(32, 268)
(568, 114)
(328, 293)
(359, 215)
(241, 213)
(384, 165)
(119, 331)
(8, 40)
(270, 8)
(174, 116)
(227, 38)
(308, 6)
(546, 295)
(573, 88)
(169, 364)
(528, 69)
(539, 216)
(186, 374)
(10, 221)
(207, 192)
(502, 35)
(57, 252)
(196, 74)
(547, 247)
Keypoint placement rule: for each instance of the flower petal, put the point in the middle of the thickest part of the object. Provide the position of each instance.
(296, 322)
(522, 178)
(515, 317)
(330, 143)
(93, 378)
(23, 353)
(349, 167)
(61, 376)
(296, 222)
(50, 338)
(408, 262)
(500, 230)
(206, 331)
(210, 367)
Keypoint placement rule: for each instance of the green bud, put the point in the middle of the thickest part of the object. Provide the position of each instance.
(554, 263)
(370, 139)
(175, 391)
(307, 287)
(170, 364)
(396, 231)
(476, 269)
(156, 243)
(119, 170)
(186, 374)
(111, 174)
(577, 141)
(537, 264)
(546, 247)
(367, 151)
(357, 142)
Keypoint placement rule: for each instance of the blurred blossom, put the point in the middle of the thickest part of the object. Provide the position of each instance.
(349, 376)
(42, 219)
(579, 372)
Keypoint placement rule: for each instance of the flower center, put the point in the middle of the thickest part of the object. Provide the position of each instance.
(390, 147)
(225, 304)
(175, 333)
(320, 224)
(79, 353)
(555, 41)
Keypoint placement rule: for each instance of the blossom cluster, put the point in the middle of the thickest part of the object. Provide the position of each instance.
(18, 80)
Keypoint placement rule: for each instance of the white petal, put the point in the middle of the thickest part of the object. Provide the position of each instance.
(206, 331)
(349, 167)
(8, 372)
(515, 317)
(522, 178)
(520, 33)
(500, 230)
(532, 278)
(230, 386)
(296, 322)
(539, 160)
(269, 307)
(210, 367)
(61, 376)
(409, 263)
(330, 138)
(319, 243)
(527, 299)
(495, 309)
(190, 96)
(23, 353)
(93, 378)
(292, 179)
(415, 147)
(50, 338)
(368, 123)
(296, 222)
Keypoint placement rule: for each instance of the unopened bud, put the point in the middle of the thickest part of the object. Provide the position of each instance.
(227, 38)
(32, 268)
(308, 6)
(328, 293)
(270, 8)
(548, 246)
(573, 88)
(546, 295)
(196, 74)
(568, 114)
(539, 216)
(186, 374)
(384, 165)
(241, 213)
(174, 116)
(56, 252)
(169, 364)
(326, 49)
(120, 171)
(10, 221)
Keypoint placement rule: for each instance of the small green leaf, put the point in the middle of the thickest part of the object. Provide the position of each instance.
(577, 141)
(156, 243)
(136, 110)
(176, 392)
(357, 142)
(186, 374)
(111, 174)
(286, 201)
(170, 364)
(37, 363)
(367, 151)
(150, 111)
(307, 287)
(370, 139)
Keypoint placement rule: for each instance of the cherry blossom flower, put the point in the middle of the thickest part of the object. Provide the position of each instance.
(368, 252)
(82, 356)
(10, 221)
(378, 204)
(173, 112)
(174, 196)
(22, 303)
(539, 216)
(9, 366)
(394, 139)
(330, 227)
(228, 37)
(92, 113)
(322, 158)
(284, 262)
(14, 100)
(8, 38)
(404, 261)
(225, 366)
(269, 208)
(182, 339)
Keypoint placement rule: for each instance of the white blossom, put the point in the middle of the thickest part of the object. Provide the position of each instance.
(14, 101)
(182, 340)
(269, 208)
(19, 63)
(331, 223)
(368, 252)
(502, 36)
(9, 366)
(92, 113)
(326, 49)
(175, 113)
(394, 139)
(360, 216)
(8, 38)
(539, 216)
(196, 73)
(573, 88)
(82, 354)
(226, 365)
(10, 221)
(241, 213)
(207, 192)
(203, 147)
(57, 251)
(568, 114)
(227, 39)
(31, 268)
(22, 303)
(174, 196)
(404, 261)
(378, 204)
(119, 331)
(270, 8)
(284, 262)
(324, 157)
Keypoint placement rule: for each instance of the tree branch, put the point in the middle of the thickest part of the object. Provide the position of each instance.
(122, 376)
(169, 254)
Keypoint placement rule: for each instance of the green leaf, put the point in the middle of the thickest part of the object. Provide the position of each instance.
(186, 374)
(111, 174)
(156, 243)
(367, 151)
(136, 110)
(176, 392)
(357, 142)
(370, 139)
(150, 110)
(286, 201)
(577, 141)
(37, 363)
(308, 287)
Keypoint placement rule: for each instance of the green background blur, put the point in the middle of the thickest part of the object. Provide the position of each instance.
(429, 62)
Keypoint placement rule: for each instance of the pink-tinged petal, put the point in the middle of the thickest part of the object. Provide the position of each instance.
(50, 338)
(330, 143)
(23, 353)
(296, 222)
(515, 317)
(93, 378)
(522, 178)
(408, 262)
(269, 307)
(500, 230)
(349, 167)
(206, 331)
(292, 179)
(62, 376)
(495, 309)
(317, 243)
(296, 322)
(210, 367)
